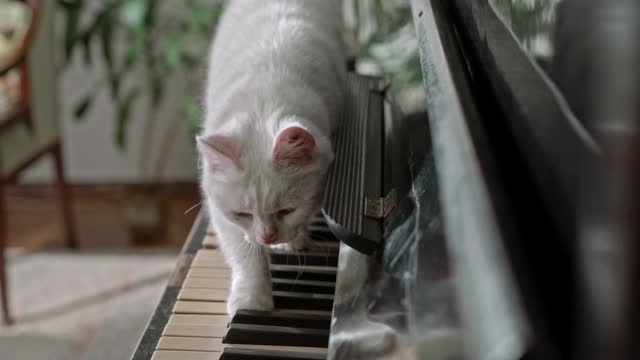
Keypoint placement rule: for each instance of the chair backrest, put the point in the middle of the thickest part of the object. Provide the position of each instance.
(21, 142)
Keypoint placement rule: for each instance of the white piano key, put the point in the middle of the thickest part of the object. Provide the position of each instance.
(204, 294)
(206, 283)
(209, 261)
(209, 273)
(191, 319)
(196, 330)
(185, 355)
(190, 343)
(210, 252)
(200, 307)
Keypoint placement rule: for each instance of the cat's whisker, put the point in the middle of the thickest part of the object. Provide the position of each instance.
(193, 207)
(300, 269)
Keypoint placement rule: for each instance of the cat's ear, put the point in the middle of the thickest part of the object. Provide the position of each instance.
(295, 147)
(219, 152)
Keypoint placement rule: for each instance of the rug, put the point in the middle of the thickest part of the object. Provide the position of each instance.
(75, 306)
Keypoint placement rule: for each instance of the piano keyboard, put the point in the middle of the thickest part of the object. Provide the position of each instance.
(198, 327)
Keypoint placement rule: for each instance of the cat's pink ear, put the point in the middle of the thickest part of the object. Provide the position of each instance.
(294, 146)
(220, 152)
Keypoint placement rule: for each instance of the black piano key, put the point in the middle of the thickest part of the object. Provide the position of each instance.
(307, 286)
(294, 300)
(314, 321)
(315, 258)
(321, 233)
(251, 354)
(287, 272)
(318, 220)
(276, 335)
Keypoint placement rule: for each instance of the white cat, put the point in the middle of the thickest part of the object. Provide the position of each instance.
(274, 90)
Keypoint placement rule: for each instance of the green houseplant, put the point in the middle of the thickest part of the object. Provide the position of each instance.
(153, 40)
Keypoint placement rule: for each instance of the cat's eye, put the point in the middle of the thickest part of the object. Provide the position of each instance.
(242, 215)
(284, 212)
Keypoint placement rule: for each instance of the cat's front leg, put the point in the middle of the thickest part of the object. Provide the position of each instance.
(250, 290)
(250, 275)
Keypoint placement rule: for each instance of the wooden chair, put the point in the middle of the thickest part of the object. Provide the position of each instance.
(28, 127)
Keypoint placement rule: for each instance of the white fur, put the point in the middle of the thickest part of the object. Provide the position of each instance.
(274, 65)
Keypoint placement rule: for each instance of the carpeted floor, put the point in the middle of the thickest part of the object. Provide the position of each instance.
(81, 306)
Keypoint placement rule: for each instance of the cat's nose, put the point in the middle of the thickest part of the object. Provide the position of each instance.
(270, 238)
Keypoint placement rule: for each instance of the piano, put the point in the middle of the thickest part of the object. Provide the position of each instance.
(466, 232)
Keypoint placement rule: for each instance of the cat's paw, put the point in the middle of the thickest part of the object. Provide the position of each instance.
(289, 247)
(245, 299)
(297, 244)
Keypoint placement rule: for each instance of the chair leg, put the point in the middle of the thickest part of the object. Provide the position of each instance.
(4, 234)
(65, 197)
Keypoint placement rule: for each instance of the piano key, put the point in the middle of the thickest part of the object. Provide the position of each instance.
(305, 258)
(189, 319)
(216, 345)
(204, 294)
(306, 273)
(282, 318)
(293, 300)
(195, 330)
(321, 287)
(210, 253)
(209, 273)
(276, 335)
(258, 354)
(185, 355)
(214, 252)
(190, 343)
(321, 234)
(318, 220)
(209, 260)
(304, 311)
(205, 283)
(305, 267)
(200, 262)
(200, 307)
(333, 246)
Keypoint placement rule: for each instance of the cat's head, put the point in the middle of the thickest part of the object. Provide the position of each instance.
(269, 185)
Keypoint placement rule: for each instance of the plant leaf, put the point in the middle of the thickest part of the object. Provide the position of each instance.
(157, 89)
(150, 13)
(132, 13)
(86, 47)
(106, 36)
(173, 51)
(135, 48)
(114, 84)
(193, 113)
(124, 111)
(72, 11)
(81, 108)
